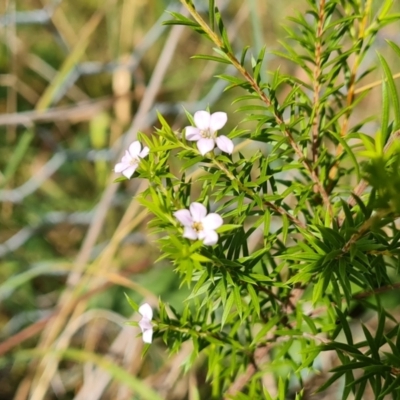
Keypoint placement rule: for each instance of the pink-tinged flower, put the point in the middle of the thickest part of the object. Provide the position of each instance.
(205, 132)
(130, 161)
(145, 323)
(198, 225)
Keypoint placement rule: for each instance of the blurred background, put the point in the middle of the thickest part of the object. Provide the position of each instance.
(78, 79)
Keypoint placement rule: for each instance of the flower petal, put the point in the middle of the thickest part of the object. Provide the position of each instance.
(121, 166)
(147, 336)
(184, 217)
(202, 119)
(212, 221)
(201, 235)
(225, 144)
(205, 145)
(189, 233)
(127, 157)
(145, 324)
(134, 148)
(192, 133)
(145, 311)
(210, 238)
(128, 172)
(145, 152)
(217, 121)
(198, 211)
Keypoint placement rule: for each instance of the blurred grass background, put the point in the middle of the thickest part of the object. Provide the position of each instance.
(78, 79)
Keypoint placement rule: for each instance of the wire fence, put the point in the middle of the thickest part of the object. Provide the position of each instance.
(84, 111)
(54, 112)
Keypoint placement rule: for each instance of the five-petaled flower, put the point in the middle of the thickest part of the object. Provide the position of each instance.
(145, 323)
(130, 161)
(205, 132)
(198, 225)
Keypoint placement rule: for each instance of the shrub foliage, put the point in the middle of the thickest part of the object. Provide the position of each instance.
(319, 192)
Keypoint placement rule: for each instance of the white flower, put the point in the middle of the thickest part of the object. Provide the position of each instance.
(198, 225)
(205, 132)
(145, 323)
(130, 161)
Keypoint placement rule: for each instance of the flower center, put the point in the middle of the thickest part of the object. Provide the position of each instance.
(134, 161)
(206, 134)
(197, 226)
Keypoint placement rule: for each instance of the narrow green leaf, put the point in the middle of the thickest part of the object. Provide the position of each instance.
(211, 58)
(228, 227)
(267, 222)
(134, 306)
(371, 342)
(223, 31)
(243, 55)
(200, 258)
(349, 152)
(329, 382)
(393, 92)
(266, 328)
(345, 326)
(238, 300)
(382, 135)
(394, 46)
(285, 228)
(361, 389)
(320, 287)
(227, 308)
(254, 298)
(392, 388)
(211, 13)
